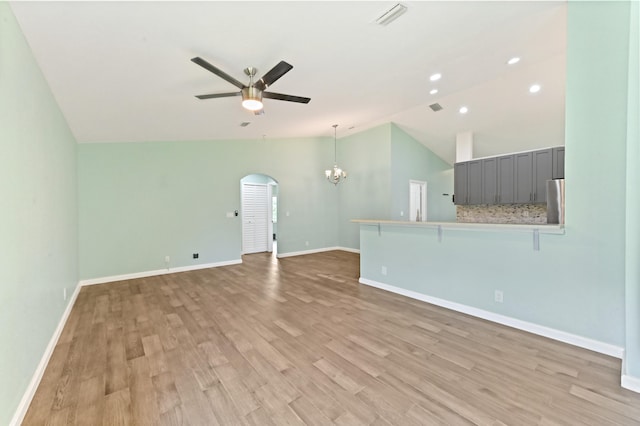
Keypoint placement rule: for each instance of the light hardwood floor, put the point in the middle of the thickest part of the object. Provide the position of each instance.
(298, 341)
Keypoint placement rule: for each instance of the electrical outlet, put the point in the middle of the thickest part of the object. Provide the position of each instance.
(498, 296)
(64, 293)
(167, 259)
(306, 243)
(383, 270)
(196, 255)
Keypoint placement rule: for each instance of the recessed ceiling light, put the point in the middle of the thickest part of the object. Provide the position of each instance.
(535, 88)
(463, 110)
(435, 77)
(433, 91)
(513, 60)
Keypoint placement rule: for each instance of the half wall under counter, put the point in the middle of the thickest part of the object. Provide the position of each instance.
(490, 271)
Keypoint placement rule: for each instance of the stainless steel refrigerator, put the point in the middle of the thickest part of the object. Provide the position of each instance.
(555, 201)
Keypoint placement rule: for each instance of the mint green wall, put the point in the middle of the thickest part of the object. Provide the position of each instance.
(38, 219)
(410, 160)
(140, 202)
(366, 194)
(380, 162)
(632, 265)
(576, 282)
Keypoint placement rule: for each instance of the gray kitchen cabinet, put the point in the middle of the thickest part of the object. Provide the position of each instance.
(558, 162)
(542, 171)
(460, 183)
(467, 178)
(506, 179)
(474, 182)
(490, 181)
(524, 177)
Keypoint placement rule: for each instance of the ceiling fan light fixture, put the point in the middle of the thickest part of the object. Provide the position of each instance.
(252, 104)
(252, 99)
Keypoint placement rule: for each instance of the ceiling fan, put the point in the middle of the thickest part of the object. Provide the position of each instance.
(252, 93)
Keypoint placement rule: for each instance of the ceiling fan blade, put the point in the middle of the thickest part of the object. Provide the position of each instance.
(206, 65)
(219, 95)
(289, 98)
(273, 74)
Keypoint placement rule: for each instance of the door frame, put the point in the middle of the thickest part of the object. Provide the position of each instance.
(270, 184)
(270, 216)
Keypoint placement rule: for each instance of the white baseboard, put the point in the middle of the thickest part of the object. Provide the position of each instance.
(350, 250)
(562, 336)
(102, 280)
(21, 411)
(630, 382)
(302, 253)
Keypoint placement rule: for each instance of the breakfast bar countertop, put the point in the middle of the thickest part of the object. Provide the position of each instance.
(541, 228)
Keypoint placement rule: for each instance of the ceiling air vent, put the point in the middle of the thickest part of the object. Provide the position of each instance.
(391, 14)
(245, 123)
(435, 107)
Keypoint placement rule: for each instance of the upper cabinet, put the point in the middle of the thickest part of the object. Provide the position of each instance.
(542, 172)
(524, 177)
(508, 179)
(558, 162)
(468, 182)
(490, 181)
(460, 172)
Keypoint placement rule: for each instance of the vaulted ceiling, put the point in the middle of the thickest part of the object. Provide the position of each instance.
(121, 71)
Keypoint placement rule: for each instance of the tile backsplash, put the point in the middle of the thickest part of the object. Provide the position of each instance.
(502, 213)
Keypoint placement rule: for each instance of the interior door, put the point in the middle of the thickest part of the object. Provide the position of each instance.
(417, 201)
(255, 217)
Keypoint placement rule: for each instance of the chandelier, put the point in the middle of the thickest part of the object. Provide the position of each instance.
(336, 174)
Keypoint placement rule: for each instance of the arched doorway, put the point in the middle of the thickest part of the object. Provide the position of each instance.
(259, 195)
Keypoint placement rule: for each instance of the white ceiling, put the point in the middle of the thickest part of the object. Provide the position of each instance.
(121, 71)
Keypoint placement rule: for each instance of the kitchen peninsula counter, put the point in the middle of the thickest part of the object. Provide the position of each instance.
(541, 228)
